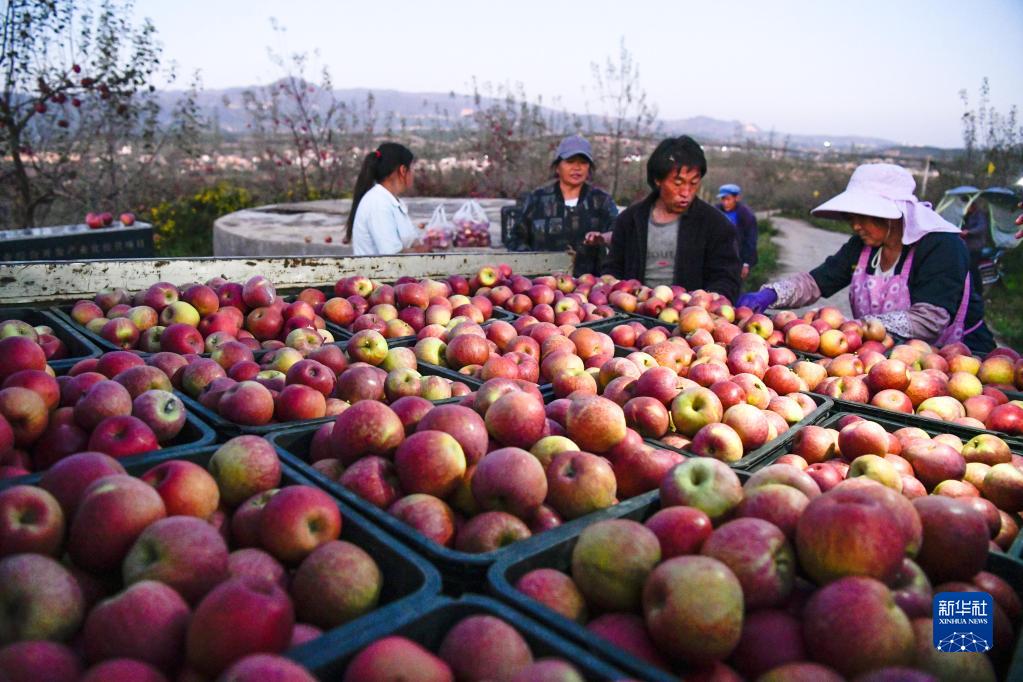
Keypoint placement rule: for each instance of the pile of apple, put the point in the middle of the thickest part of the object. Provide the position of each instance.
(493, 470)
(982, 471)
(114, 404)
(470, 232)
(719, 400)
(780, 579)
(196, 318)
(549, 298)
(950, 385)
(506, 656)
(53, 348)
(106, 219)
(560, 298)
(665, 303)
(285, 386)
(404, 309)
(517, 350)
(217, 563)
(722, 401)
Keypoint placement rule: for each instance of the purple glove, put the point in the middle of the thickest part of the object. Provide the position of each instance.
(760, 301)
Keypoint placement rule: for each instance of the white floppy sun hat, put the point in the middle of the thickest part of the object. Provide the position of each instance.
(884, 190)
(873, 190)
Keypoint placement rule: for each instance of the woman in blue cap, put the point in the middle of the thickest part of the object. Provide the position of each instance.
(567, 214)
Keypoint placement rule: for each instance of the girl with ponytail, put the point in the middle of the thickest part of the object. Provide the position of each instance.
(378, 223)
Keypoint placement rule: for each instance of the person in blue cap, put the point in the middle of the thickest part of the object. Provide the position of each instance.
(730, 203)
(569, 213)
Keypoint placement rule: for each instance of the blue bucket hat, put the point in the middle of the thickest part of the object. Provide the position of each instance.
(574, 145)
(729, 189)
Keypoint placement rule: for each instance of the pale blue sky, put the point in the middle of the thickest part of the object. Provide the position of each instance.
(887, 68)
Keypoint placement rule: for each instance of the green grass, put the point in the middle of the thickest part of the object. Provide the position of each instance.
(823, 223)
(1003, 305)
(767, 257)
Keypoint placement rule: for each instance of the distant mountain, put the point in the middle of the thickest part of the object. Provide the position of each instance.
(432, 110)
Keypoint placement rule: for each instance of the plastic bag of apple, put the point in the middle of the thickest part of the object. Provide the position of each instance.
(198, 318)
(472, 227)
(492, 470)
(202, 562)
(289, 385)
(739, 581)
(438, 230)
(115, 404)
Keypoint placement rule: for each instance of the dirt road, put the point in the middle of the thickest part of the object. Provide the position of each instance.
(804, 247)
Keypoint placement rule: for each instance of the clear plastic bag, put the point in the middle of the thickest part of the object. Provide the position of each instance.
(439, 231)
(472, 227)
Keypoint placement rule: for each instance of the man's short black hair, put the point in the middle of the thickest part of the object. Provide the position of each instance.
(672, 154)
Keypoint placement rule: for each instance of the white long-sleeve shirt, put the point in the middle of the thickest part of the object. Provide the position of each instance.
(382, 226)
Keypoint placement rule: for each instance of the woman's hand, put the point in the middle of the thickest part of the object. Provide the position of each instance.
(1019, 221)
(760, 301)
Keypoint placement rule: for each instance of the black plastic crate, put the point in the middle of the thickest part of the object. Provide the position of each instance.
(430, 368)
(63, 313)
(606, 326)
(509, 316)
(77, 242)
(1011, 571)
(618, 318)
(762, 455)
(554, 550)
(462, 571)
(410, 340)
(78, 346)
(410, 582)
(194, 435)
(925, 423)
(427, 625)
(226, 429)
(890, 424)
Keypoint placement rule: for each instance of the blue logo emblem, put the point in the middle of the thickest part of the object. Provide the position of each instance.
(963, 621)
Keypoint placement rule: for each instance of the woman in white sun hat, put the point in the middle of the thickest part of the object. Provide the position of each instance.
(905, 265)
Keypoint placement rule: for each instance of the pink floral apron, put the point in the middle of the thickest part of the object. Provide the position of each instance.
(878, 294)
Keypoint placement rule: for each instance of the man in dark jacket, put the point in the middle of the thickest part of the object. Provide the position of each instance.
(568, 213)
(672, 236)
(730, 203)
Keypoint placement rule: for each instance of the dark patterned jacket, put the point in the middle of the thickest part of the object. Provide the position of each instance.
(547, 224)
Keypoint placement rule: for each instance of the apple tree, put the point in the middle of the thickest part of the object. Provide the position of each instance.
(77, 82)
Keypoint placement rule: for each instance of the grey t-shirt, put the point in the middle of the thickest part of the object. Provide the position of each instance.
(661, 240)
